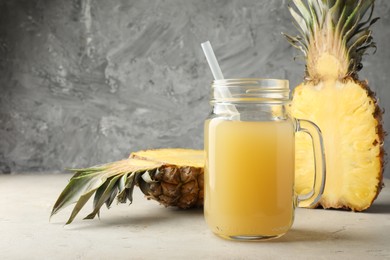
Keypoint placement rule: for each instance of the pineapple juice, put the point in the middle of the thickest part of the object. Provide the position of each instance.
(249, 177)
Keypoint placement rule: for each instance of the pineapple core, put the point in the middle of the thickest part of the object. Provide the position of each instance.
(328, 67)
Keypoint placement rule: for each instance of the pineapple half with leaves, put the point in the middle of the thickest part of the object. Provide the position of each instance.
(173, 177)
(334, 36)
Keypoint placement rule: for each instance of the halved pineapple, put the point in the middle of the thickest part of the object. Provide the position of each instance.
(173, 177)
(335, 35)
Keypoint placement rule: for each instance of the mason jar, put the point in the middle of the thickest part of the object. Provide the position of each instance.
(250, 155)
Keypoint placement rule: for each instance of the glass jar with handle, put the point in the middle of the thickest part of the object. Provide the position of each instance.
(250, 154)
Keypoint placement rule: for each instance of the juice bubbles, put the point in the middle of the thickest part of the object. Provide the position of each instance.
(249, 178)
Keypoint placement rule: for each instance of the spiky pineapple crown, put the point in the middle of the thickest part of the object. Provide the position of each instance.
(334, 36)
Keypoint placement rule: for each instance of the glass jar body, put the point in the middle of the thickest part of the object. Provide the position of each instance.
(250, 160)
(249, 173)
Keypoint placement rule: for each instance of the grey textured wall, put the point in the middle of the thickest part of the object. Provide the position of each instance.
(87, 81)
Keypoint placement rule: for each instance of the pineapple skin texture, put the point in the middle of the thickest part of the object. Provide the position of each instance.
(177, 186)
(179, 181)
(350, 120)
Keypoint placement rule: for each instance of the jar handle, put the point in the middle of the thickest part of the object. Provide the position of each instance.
(304, 200)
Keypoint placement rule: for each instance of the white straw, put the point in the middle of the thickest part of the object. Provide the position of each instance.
(212, 60)
(217, 74)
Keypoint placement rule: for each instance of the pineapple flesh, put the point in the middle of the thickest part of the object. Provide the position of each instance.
(173, 177)
(335, 35)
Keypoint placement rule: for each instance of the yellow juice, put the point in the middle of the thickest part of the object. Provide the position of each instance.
(249, 177)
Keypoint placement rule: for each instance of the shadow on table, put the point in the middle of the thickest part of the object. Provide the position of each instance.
(118, 221)
(306, 235)
(379, 208)
(136, 221)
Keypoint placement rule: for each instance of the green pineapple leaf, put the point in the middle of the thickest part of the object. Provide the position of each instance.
(106, 181)
(104, 195)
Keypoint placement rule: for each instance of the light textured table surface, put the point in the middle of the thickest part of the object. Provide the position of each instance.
(146, 230)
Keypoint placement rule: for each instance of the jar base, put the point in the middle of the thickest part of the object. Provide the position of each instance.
(250, 237)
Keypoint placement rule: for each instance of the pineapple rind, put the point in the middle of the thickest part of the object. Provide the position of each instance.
(185, 189)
